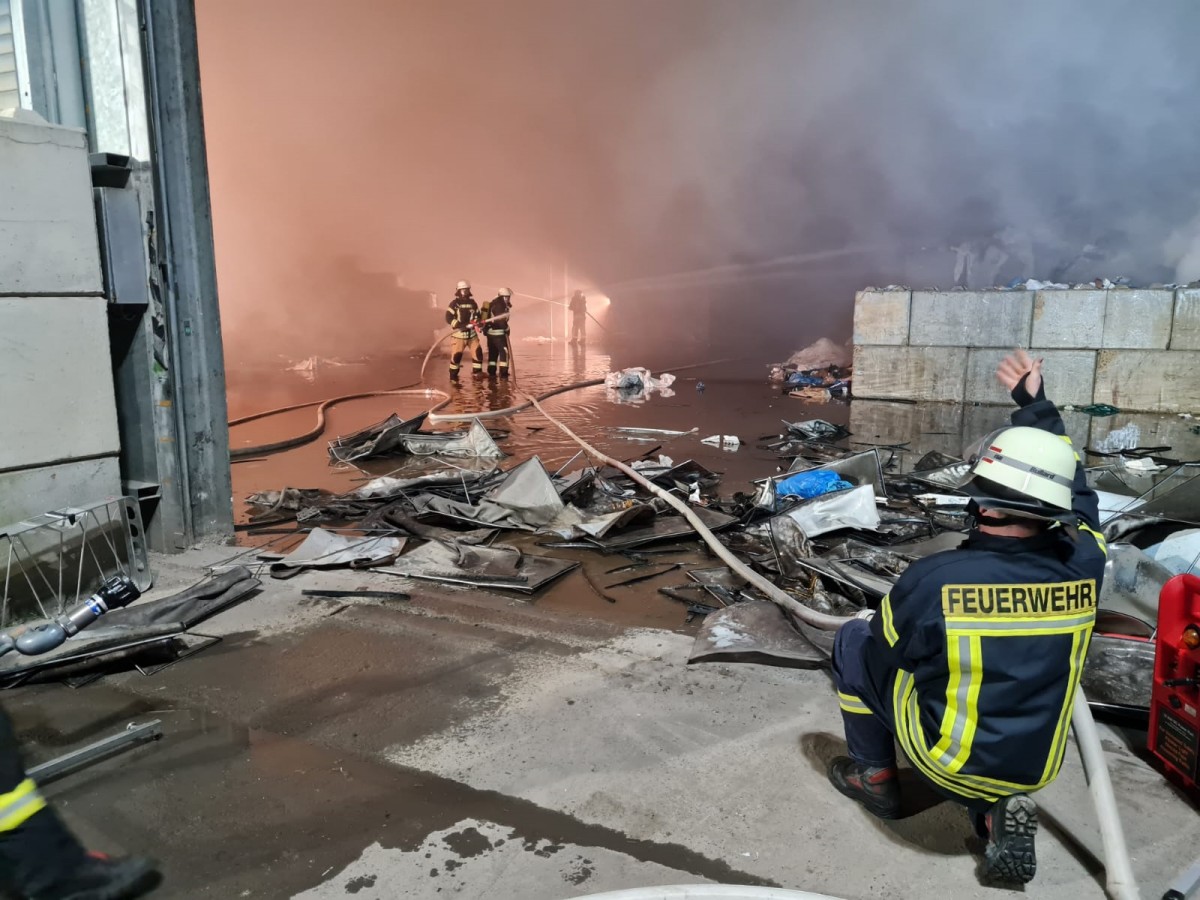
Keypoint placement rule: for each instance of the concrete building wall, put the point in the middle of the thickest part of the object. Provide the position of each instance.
(59, 444)
(1138, 350)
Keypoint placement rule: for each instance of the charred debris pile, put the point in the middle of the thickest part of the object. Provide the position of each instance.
(834, 527)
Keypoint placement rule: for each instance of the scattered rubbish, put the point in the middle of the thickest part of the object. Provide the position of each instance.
(812, 483)
(655, 432)
(636, 385)
(1126, 438)
(821, 354)
(1099, 410)
(724, 441)
(816, 430)
(817, 374)
(700, 386)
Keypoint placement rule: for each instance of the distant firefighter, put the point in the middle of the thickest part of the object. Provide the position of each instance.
(463, 316)
(497, 332)
(578, 308)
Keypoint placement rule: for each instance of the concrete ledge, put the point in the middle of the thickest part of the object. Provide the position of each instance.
(35, 491)
(881, 317)
(910, 373)
(971, 318)
(48, 241)
(1185, 332)
(1149, 380)
(1138, 320)
(58, 403)
(1068, 318)
(1069, 375)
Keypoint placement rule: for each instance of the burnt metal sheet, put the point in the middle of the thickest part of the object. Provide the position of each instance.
(1132, 582)
(665, 528)
(1119, 671)
(756, 631)
(375, 440)
(323, 549)
(501, 566)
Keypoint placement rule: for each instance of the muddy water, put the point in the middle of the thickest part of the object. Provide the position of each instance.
(735, 401)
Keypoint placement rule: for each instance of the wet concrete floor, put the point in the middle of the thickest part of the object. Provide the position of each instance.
(271, 777)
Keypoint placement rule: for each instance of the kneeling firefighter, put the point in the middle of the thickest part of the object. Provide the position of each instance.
(463, 316)
(972, 661)
(497, 331)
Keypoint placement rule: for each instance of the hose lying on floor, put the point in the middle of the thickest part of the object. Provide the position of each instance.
(322, 406)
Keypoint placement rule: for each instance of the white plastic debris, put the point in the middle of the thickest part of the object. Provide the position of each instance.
(1141, 465)
(637, 384)
(724, 441)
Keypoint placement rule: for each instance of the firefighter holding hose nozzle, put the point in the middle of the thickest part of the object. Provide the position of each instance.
(497, 330)
(972, 661)
(463, 316)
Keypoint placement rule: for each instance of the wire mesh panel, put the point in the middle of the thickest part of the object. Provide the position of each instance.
(53, 560)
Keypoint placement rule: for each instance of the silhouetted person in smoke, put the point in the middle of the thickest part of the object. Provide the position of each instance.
(497, 331)
(578, 308)
(463, 316)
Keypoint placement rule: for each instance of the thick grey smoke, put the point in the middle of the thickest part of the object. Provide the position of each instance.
(778, 154)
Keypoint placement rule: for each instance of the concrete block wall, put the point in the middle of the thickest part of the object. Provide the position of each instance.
(59, 443)
(1138, 350)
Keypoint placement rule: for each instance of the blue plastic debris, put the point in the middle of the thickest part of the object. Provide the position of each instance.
(813, 483)
(803, 379)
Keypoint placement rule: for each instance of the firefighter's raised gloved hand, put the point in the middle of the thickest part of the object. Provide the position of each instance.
(1021, 374)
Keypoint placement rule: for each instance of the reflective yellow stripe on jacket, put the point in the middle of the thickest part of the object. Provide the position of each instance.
(19, 804)
(943, 762)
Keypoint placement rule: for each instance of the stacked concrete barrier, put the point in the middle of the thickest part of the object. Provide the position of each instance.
(1138, 350)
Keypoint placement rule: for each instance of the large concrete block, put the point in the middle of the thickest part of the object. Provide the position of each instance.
(922, 426)
(1068, 318)
(1069, 375)
(881, 317)
(1138, 319)
(979, 421)
(56, 385)
(48, 241)
(1185, 331)
(31, 492)
(1154, 430)
(910, 373)
(1149, 380)
(971, 318)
